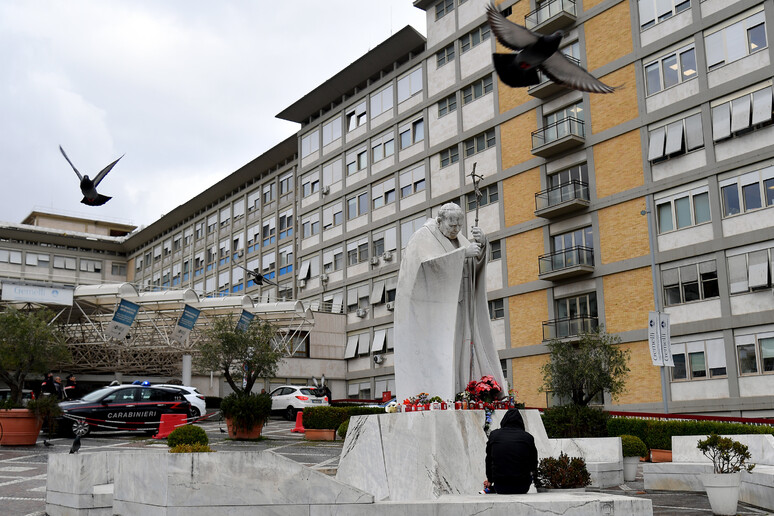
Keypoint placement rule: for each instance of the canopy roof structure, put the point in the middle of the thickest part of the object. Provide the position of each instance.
(149, 347)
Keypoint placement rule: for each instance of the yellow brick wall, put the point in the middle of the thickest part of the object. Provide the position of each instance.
(516, 142)
(612, 109)
(527, 379)
(519, 196)
(526, 313)
(523, 251)
(643, 385)
(618, 164)
(608, 36)
(623, 232)
(628, 299)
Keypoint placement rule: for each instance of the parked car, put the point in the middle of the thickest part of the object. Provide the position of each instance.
(289, 399)
(122, 407)
(27, 395)
(194, 397)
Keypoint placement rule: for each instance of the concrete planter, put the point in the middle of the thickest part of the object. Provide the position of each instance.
(630, 468)
(320, 434)
(660, 455)
(241, 433)
(19, 427)
(722, 491)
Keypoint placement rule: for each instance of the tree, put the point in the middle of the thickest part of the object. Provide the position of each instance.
(248, 354)
(29, 343)
(581, 370)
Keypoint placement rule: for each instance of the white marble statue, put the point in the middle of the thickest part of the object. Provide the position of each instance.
(443, 338)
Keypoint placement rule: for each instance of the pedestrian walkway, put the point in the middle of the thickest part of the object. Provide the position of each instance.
(23, 469)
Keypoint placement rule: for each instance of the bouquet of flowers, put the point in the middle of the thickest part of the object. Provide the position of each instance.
(422, 398)
(486, 389)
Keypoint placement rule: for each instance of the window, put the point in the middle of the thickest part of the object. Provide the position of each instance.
(670, 70)
(449, 156)
(735, 41)
(117, 269)
(356, 116)
(576, 314)
(755, 353)
(178, 239)
(333, 215)
(698, 360)
(212, 224)
(269, 192)
(408, 228)
(199, 229)
(310, 225)
(443, 8)
(447, 105)
(496, 309)
(477, 90)
(742, 114)
(445, 55)
(683, 210)
(383, 193)
(410, 84)
(687, 283)
(495, 250)
(578, 173)
(382, 146)
(60, 262)
(489, 195)
(412, 181)
(357, 161)
(564, 122)
(479, 143)
(269, 231)
(411, 133)
(749, 271)
(187, 237)
(268, 261)
(474, 38)
(332, 172)
(570, 249)
(331, 131)
(253, 202)
(285, 260)
(675, 138)
(286, 224)
(747, 192)
(656, 11)
(285, 187)
(310, 143)
(37, 260)
(385, 240)
(310, 184)
(333, 259)
(357, 251)
(381, 101)
(90, 265)
(357, 205)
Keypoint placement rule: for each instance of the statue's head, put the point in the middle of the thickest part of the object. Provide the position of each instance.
(450, 220)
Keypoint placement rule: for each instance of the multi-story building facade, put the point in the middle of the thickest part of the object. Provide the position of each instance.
(598, 208)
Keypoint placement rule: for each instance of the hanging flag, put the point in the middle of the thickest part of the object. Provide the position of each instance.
(118, 328)
(185, 324)
(244, 320)
(654, 339)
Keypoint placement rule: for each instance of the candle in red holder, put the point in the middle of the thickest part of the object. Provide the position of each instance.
(457, 405)
(443, 405)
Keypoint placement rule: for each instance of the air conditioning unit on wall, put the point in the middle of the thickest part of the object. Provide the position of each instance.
(387, 256)
(375, 260)
(301, 283)
(362, 312)
(390, 305)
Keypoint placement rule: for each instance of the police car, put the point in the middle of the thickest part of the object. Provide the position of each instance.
(122, 407)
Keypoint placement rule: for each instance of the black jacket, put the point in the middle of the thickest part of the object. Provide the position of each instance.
(511, 455)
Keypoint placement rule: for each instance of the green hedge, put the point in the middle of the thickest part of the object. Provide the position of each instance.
(658, 434)
(331, 418)
(187, 434)
(568, 421)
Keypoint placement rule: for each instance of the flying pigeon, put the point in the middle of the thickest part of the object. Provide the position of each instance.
(76, 444)
(536, 52)
(89, 186)
(257, 276)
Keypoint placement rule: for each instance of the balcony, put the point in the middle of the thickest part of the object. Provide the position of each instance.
(574, 261)
(548, 88)
(558, 137)
(569, 328)
(565, 198)
(551, 16)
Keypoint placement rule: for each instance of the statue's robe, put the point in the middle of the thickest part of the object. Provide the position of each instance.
(442, 318)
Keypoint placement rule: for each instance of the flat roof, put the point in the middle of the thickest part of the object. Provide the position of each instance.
(376, 60)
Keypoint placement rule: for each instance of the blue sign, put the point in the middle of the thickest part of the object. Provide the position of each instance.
(244, 320)
(126, 312)
(188, 317)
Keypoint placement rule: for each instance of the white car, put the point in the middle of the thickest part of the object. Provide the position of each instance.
(194, 397)
(290, 399)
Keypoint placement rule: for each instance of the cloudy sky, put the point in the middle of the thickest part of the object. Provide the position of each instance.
(188, 90)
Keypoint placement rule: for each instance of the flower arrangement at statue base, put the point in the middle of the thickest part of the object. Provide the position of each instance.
(423, 401)
(483, 394)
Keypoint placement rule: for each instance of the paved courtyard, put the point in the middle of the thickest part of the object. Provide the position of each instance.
(23, 469)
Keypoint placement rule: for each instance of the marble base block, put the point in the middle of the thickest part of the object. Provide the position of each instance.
(80, 484)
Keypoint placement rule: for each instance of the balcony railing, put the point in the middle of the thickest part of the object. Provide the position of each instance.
(561, 199)
(569, 327)
(551, 16)
(559, 136)
(572, 261)
(546, 87)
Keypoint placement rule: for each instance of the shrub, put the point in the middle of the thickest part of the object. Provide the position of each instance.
(246, 410)
(187, 434)
(342, 431)
(563, 473)
(727, 455)
(191, 448)
(568, 421)
(632, 446)
(331, 418)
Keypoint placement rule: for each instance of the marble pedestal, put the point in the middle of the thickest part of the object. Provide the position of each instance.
(80, 483)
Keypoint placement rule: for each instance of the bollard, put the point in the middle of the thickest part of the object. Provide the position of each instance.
(299, 422)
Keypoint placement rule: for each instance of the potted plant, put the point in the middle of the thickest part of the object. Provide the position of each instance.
(633, 448)
(321, 423)
(28, 344)
(245, 414)
(729, 458)
(563, 473)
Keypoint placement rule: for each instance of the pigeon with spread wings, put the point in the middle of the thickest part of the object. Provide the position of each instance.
(535, 52)
(89, 186)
